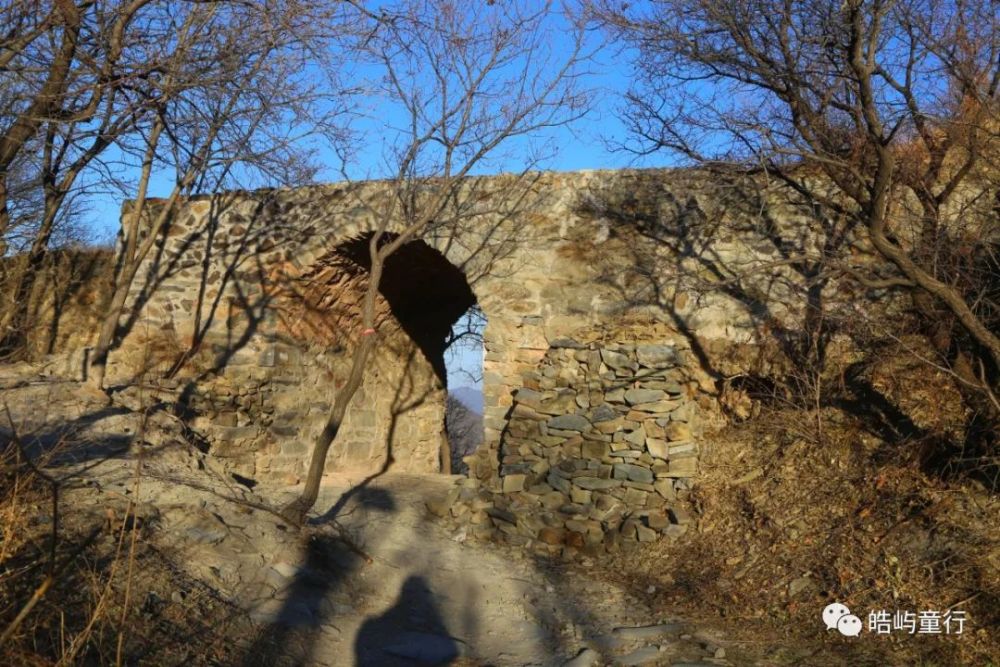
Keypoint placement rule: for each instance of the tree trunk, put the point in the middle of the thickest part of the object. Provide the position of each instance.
(106, 337)
(296, 511)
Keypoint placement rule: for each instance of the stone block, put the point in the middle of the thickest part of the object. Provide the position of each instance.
(626, 454)
(656, 408)
(615, 360)
(653, 430)
(632, 472)
(638, 395)
(686, 467)
(615, 396)
(635, 497)
(636, 437)
(656, 356)
(648, 488)
(665, 488)
(593, 449)
(679, 515)
(678, 431)
(657, 448)
(569, 423)
(679, 450)
(644, 534)
(603, 413)
(557, 482)
(595, 483)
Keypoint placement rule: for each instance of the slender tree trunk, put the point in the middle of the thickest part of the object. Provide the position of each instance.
(296, 511)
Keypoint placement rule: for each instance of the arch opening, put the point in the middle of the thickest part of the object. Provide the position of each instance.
(434, 306)
(464, 410)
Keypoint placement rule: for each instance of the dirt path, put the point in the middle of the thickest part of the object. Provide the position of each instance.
(431, 595)
(427, 597)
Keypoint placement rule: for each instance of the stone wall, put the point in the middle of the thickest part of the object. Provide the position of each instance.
(601, 443)
(255, 294)
(64, 307)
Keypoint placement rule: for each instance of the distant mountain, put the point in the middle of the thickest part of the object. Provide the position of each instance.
(470, 397)
(465, 432)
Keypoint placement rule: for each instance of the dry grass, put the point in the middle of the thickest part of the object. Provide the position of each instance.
(81, 583)
(850, 517)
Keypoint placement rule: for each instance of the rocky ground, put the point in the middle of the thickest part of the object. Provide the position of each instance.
(374, 580)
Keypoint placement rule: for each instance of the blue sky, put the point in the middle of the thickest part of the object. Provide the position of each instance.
(583, 145)
(586, 144)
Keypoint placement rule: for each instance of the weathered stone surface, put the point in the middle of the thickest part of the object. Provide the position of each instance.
(594, 449)
(615, 359)
(682, 449)
(685, 467)
(644, 534)
(633, 472)
(615, 396)
(603, 413)
(657, 448)
(594, 483)
(635, 497)
(626, 453)
(636, 437)
(654, 409)
(569, 423)
(665, 487)
(638, 395)
(513, 483)
(656, 356)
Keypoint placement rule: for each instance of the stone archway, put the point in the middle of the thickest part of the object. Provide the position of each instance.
(398, 415)
(268, 283)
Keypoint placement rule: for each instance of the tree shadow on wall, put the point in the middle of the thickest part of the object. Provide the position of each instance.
(680, 252)
(781, 260)
(234, 259)
(329, 562)
(406, 398)
(66, 278)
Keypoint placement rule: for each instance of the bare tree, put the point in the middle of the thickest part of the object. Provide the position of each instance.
(225, 110)
(57, 60)
(467, 85)
(881, 114)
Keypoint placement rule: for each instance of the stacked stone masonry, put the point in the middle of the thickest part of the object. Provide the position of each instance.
(600, 448)
(246, 315)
